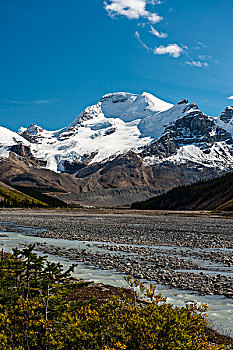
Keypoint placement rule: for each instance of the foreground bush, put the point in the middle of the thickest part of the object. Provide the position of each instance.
(38, 310)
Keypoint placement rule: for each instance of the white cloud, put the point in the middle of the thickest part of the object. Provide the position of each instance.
(132, 9)
(173, 50)
(158, 34)
(197, 64)
(154, 17)
(141, 10)
(137, 36)
(230, 98)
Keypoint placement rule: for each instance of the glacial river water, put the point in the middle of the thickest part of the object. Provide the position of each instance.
(221, 308)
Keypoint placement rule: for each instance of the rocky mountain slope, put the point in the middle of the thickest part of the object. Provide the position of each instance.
(127, 147)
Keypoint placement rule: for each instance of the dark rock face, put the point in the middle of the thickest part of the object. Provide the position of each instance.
(227, 115)
(114, 99)
(185, 101)
(21, 150)
(194, 128)
(33, 133)
(25, 154)
(72, 168)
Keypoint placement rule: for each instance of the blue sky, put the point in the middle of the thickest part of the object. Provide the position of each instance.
(58, 56)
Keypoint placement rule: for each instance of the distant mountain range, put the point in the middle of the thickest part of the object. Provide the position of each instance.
(125, 148)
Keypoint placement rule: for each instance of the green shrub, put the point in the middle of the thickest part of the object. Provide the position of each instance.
(38, 312)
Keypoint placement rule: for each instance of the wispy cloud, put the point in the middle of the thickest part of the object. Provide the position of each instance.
(38, 102)
(132, 9)
(173, 50)
(155, 2)
(16, 102)
(199, 46)
(204, 57)
(153, 31)
(146, 15)
(197, 64)
(137, 36)
(199, 59)
(230, 98)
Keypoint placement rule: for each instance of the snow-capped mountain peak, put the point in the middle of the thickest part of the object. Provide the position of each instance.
(126, 106)
(122, 122)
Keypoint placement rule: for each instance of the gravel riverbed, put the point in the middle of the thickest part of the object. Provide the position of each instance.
(181, 251)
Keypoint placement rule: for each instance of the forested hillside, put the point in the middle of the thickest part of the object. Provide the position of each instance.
(10, 197)
(39, 194)
(215, 194)
(26, 197)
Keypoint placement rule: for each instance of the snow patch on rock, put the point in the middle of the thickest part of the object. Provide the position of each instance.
(9, 138)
